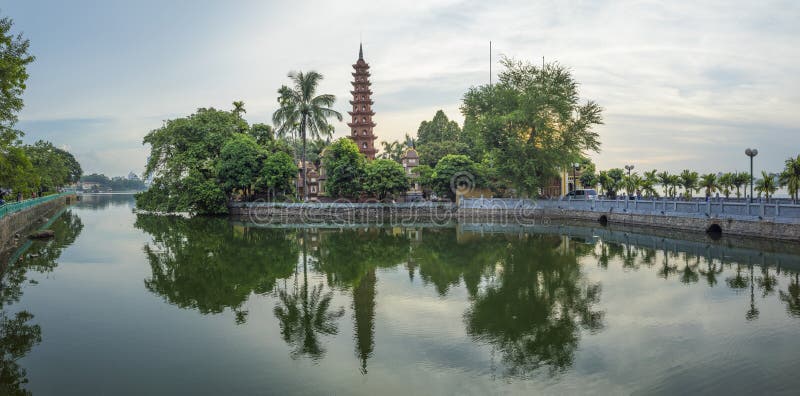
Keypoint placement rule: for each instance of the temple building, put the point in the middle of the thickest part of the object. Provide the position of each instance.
(361, 125)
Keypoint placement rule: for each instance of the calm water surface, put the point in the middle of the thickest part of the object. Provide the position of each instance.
(121, 303)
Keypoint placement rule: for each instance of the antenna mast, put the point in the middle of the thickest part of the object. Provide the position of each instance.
(490, 63)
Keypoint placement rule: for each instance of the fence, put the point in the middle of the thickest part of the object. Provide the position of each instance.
(777, 211)
(13, 207)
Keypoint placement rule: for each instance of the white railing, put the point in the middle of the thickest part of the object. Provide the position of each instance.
(777, 210)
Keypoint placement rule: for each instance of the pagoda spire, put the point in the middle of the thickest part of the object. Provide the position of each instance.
(361, 124)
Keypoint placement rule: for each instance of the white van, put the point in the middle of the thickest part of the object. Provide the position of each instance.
(588, 194)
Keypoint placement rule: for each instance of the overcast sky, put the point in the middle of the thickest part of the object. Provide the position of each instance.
(683, 84)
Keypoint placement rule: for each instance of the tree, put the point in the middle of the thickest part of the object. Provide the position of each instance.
(344, 165)
(52, 167)
(709, 183)
(277, 172)
(14, 60)
(664, 181)
(766, 185)
(455, 174)
(790, 177)
(301, 108)
(262, 133)
(383, 177)
(239, 163)
(439, 129)
(631, 183)
(611, 181)
(533, 120)
(393, 151)
(725, 183)
(738, 180)
(183, 163)
(589, 179)
(689, 182)
(430, 153)
(649, 182)
(425, 178)
(238, 108)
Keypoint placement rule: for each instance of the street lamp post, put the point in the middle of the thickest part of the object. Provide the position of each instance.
(575, 166)
(629, 168)
(751, 153)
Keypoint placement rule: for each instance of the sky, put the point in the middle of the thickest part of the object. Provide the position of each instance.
(683, 84)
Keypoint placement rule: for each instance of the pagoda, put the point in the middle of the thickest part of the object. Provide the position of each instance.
(361, 125)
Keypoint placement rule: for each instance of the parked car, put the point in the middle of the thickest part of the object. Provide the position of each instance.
(588, 194)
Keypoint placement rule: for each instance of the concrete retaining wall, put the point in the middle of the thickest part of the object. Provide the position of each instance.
(27, 220)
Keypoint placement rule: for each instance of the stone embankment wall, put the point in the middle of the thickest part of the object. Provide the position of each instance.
(727, 226)
(26, 220)
(519, 214)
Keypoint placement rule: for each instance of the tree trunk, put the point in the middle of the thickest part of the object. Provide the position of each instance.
(305, 178)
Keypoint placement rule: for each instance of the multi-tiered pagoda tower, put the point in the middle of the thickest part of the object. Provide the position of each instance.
(361, 126)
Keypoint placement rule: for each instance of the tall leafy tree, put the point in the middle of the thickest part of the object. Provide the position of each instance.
(239, 163)
(383, 177)
(534, 117)
(184, 154)
(303, 109)
(14, 61)
(262, 133)
(277, 172)
(454, 174)
(344, 165)
(439, 129)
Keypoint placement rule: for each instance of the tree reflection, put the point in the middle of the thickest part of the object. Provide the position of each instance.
(444, 260)
(17, 334)
(535, 308)
(303, 317)
(791, 297)
(208, 264)
(349, 259)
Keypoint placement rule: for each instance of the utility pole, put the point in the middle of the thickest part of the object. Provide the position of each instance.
(490, 63)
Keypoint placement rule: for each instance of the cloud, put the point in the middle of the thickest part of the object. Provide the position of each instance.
(683, 84)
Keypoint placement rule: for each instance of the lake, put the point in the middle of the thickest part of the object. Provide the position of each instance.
(131, 304)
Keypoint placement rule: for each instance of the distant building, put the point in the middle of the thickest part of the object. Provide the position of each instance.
(361, 125)
(316, 180)
(410, 162)
(132, 176)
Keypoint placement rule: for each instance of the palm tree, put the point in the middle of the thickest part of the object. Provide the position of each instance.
(664, 181)
(766, 184)
(302, 110)
(674, 183)
(790, 177)
(725, 183)
(649, 183)
(709, 183)
(303, 316)
(738, 180)
(631, 183)
(689, 182)
(606, 183)
(393, 150)
(238, 108)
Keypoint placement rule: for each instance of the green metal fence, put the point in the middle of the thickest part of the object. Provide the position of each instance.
(13, 207)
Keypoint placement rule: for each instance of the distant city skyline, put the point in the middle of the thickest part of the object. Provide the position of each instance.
(684, 85)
